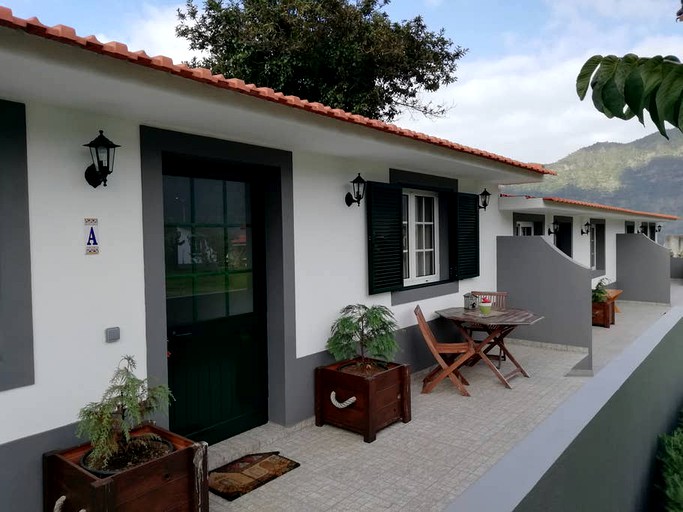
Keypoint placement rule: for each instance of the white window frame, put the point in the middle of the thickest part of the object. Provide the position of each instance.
(593, 247)
(521, 225)
(411, 230)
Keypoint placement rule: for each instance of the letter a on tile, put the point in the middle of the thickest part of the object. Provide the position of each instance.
(92, 245)
(92, 239)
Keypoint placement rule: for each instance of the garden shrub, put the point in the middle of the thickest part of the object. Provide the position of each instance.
(671, 457)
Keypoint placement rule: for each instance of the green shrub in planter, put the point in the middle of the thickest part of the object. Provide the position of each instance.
(671, 457)
(599, 293)
(364, 331)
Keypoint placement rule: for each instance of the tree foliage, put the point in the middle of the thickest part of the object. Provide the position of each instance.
(363, 331)
(346, 54)
(626, 87)
(125, 404)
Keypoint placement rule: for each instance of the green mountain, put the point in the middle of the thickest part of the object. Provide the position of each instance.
(646, 175)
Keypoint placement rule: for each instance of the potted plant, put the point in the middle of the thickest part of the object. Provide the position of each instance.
(601, 308)
(363, 391)
(128, 463)
(485, 306)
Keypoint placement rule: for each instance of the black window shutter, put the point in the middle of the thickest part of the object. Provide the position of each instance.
(468, 236)
(451, 199)
(385, 231)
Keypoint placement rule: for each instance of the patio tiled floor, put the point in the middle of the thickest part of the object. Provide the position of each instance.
(450, 442)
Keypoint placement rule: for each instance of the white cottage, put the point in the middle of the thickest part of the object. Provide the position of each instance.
(221, 248)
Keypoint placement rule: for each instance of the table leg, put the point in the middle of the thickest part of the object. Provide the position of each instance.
(480, 351)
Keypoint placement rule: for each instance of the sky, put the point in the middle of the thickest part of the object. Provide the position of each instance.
(515, 89)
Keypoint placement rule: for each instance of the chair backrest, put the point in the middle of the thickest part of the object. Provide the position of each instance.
(498, 299)
(427, 333)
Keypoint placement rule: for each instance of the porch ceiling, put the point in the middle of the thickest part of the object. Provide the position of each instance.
(44, 71)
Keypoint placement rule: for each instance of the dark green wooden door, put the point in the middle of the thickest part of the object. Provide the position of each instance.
(217, 361)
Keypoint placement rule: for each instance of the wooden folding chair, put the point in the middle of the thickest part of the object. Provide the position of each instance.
(499, 303)
(449, 356)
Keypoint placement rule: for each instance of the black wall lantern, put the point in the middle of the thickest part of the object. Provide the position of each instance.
(358, 184)
(102, 151)
(587, 229)
(659, 228)
(643, 229)
(484, 199)
(555, 228)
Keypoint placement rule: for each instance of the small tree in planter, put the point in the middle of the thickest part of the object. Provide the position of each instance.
(128, 465)
(126, 403)
(363, 331)
(361, 393)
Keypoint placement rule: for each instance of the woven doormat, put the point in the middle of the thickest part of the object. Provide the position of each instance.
(245, 474)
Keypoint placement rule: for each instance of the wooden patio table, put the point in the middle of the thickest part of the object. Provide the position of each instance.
(498, 325)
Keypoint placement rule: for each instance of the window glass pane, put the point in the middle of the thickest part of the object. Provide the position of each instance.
(208, 249)
(420, 262)
(419, 208)
(406, 267)
(429, 236)
(429, 209)
(419, 237)
(429, 263)
(208, 201)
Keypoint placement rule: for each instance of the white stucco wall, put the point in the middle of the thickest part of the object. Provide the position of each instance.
(75, 297)
(331, 249)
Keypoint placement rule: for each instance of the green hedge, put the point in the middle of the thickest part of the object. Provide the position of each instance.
(671, 457)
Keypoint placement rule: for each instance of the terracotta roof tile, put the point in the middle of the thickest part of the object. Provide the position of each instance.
(597, 206)
(67, 35)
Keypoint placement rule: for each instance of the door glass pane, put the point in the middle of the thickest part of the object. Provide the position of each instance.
(210, 284)
(241, 293)
(208, 249)
(208, 201)
(239, 249)
(178, 287)
(178, 249)
(177, 200)
(210, 307)
(237, 203)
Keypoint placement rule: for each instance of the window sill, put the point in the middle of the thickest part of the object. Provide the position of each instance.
(597, 272)
(423, 292)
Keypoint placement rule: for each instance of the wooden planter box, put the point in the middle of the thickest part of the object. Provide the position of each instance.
(603, 312)
(176, 482)
(381, 399)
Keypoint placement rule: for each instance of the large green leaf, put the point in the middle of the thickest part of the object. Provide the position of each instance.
(603, 76)
(625, 87)
(584, 78)
(669, 93)
(633, 94)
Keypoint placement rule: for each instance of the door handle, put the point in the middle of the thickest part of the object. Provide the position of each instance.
(176, 335)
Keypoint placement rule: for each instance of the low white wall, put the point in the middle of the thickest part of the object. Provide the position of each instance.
(75, 297)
